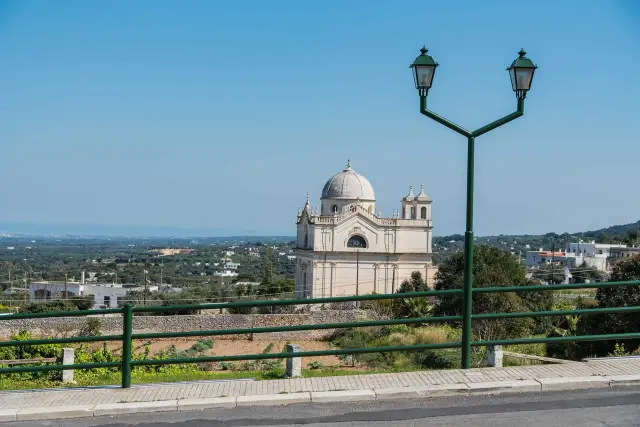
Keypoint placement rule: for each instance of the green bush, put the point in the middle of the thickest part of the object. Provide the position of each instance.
(92, 328)
(30, 352)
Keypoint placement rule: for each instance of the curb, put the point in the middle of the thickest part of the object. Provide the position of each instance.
(342, 396)
(135, 407)
(210, 403)
(54, 413)
(442, 390)
(573, 383)
(428, 391)
(621, 380)
(273, 399)
(8, 415)
(495, 387)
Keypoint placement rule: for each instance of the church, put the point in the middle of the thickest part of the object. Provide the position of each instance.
(345, 248)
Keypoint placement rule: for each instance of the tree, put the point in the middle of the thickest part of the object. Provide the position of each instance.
(412, 307)
(619, 296)
(492, 268)
(267, 272)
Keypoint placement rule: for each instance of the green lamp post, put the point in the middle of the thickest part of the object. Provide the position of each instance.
(521, 74)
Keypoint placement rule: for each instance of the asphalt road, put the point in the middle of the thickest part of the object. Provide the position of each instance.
(603, 407)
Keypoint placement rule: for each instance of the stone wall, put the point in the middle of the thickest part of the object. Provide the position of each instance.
(112, 325)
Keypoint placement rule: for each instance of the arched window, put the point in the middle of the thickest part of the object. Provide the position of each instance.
(423, 212)
(404, 212)
(334, 208)
(413, 212)
(356, 241)
(306, 239)
(370, 208)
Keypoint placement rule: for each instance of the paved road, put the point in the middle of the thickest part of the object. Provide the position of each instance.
(603, 407)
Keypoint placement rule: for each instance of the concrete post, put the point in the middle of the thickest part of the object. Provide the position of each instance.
(68, 356)
(294, 364)
(494, 356)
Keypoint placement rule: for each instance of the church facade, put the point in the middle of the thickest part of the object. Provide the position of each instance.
(345, 248)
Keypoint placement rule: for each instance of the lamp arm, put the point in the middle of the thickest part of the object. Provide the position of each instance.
(440, 119)
(506, 119)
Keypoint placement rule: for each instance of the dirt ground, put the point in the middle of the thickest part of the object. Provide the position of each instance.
(237, 347)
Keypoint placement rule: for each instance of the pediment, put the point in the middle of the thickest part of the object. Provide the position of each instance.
(358, 225)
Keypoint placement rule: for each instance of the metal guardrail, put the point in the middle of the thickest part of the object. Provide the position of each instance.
(126, 364)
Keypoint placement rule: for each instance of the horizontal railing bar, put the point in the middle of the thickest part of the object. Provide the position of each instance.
(533, 288)
(258, 303)
(568, 338)
(384, 349)
(60, 367)
(240, 331)
(552, 313)
(68, 340)
(261, 303)
(263, 356)
(75, 313)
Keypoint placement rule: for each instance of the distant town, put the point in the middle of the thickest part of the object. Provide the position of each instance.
(110, 271)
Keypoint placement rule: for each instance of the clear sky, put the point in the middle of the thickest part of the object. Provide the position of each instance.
(219, 116)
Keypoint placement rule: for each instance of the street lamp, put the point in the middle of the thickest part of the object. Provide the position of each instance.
(521, 74)
(424, 68)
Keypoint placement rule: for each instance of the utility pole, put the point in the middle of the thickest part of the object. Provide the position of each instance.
(26, 285)
(145, 287)
(358, 272)
(553, 259)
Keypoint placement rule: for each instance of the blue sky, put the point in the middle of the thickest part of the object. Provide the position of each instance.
(219, 116)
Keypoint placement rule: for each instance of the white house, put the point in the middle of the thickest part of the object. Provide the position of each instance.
(346, 248)
(225, 273)
(231, 266)
(592, 248)
(542, 258)
(104, 294)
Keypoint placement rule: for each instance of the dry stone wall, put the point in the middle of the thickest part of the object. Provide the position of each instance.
(69, 326)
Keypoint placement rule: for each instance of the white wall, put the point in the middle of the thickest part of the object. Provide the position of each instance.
(592, 248)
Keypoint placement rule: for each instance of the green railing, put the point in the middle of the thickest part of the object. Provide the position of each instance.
(127, 336)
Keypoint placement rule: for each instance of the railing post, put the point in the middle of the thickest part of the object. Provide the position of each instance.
(68, 356)
(494, 356)
(127, 332)
(294, 364)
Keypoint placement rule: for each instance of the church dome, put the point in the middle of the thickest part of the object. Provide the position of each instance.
(348, 184)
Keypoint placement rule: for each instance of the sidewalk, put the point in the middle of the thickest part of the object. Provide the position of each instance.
(72, 403)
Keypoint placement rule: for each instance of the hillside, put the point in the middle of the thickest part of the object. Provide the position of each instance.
(628, 234)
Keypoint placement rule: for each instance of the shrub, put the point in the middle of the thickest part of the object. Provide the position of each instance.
(228, 366)
(315, 365)
(92, 328)
(30, 352)
(397, 338)
(428, 335)
(440, 359)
